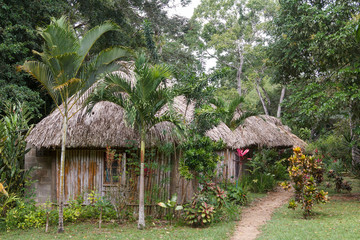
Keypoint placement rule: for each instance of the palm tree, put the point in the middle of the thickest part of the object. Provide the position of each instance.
(141, 101)
(232, 115)
(65, 70)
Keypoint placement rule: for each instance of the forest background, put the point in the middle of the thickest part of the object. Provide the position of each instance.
(294, 59)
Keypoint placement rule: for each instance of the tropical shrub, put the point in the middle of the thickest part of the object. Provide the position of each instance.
(306, 172)
(237, 194)
(340, 183)
(258, 182)
(270, 161)
(199, 158)
(335, 150)
(26, 215)
(200, 211)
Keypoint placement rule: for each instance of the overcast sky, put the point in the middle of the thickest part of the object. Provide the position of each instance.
(184, 11)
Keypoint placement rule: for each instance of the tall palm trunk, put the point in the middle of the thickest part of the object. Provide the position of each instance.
(141, 223)
(62, 177)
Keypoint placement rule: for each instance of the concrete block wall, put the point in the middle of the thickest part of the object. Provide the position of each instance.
(43, 175)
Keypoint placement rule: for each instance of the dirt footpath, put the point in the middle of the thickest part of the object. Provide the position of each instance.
(253, 217)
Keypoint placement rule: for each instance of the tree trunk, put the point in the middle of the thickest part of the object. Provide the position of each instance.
(278, 114)
(100, 218)
(141, 223)
(266, 95)
(62, 173)
(239, 72)
(261, 98)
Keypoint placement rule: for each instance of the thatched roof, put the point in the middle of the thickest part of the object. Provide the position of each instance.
(104, 126)
(265, 131)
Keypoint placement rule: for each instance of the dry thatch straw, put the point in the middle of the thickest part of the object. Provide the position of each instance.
(104, 126)
(265, 131)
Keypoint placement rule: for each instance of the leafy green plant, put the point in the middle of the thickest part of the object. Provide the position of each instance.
(306, 172)
(25, 215)
(73, 211)
(99, 203)
(207, 204)
(13, 131)
(199, 158)
(340, 184)
(258, 182)
(199, 215)
(237, 194)
(171, 204)
(270, 161)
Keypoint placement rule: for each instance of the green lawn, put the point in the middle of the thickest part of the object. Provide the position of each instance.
(126, 231)
(154, 230)
(337, 219)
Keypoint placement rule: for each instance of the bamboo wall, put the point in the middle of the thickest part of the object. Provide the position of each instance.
(84, 172)
(226, 168)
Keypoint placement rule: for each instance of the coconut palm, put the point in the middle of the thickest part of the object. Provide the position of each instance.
(65, 70)
(141, 100)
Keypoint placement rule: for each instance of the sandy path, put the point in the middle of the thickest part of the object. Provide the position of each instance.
(253, 217)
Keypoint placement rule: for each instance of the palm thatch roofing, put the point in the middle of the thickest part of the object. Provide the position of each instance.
(104, 126)
(265, 131)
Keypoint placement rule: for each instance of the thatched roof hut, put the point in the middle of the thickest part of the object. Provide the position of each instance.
(265, 131)
(104, 126)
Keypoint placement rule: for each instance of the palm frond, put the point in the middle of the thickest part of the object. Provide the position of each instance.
(109, 55)
(43, 75)
(118, 84)
(93, 34)
(167, 117)
(67, 84)
(234, 104)
(59, 36)
(67, 64)
(237, 122)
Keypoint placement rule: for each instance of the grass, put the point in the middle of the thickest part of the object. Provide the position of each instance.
(126, 231)
(154, 230)
(337, 219)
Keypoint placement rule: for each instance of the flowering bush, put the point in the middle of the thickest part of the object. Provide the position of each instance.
(306, 172)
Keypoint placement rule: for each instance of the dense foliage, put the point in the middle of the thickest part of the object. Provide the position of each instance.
(314, 52)
(14, 129)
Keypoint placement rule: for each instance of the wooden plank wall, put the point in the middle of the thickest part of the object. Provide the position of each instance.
(83, 173)
(226, 167)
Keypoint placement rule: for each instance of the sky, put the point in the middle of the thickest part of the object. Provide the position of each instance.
(184, 11)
